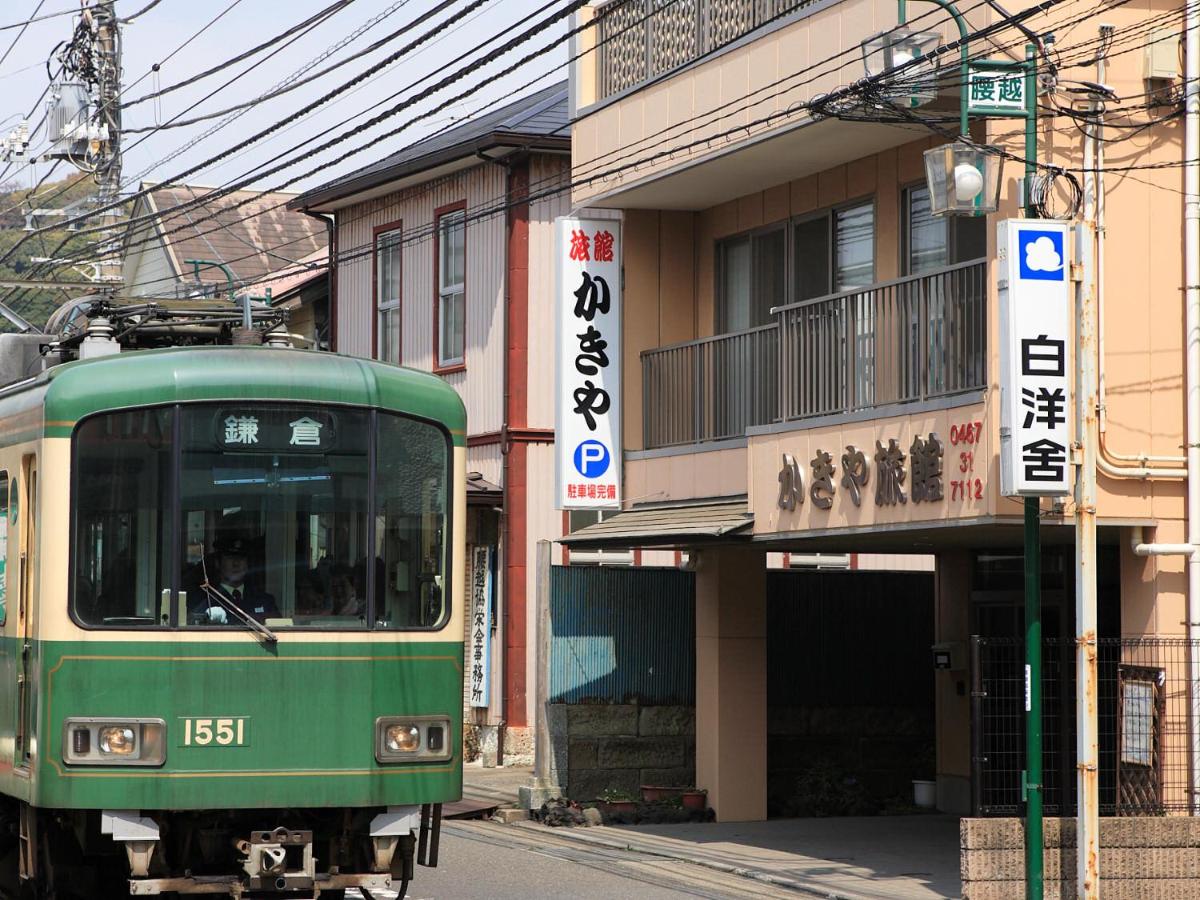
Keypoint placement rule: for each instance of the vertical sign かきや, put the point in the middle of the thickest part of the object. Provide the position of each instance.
(1036, 407)
(481, 624)
(588, 371)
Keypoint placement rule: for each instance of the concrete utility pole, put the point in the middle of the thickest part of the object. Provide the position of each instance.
(84, 120)
(108, 45)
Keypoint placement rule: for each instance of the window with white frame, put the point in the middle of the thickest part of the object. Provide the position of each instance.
(452, 305)
(387, 295)
(581, 518)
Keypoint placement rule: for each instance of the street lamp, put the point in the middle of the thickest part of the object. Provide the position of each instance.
(963, 180)
(889, 50)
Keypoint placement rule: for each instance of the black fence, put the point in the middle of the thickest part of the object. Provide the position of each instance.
(1143, 718)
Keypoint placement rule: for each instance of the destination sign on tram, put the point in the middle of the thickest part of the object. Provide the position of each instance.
(266, 430)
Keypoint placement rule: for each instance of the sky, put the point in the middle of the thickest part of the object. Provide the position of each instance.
(154, 36)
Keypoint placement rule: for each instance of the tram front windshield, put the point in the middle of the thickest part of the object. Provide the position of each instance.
(296, 516)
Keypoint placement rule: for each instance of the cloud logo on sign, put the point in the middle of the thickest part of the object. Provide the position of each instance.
(1042, 255)
(592, 459)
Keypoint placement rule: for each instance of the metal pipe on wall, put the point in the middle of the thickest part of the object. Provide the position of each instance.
(1191, 188)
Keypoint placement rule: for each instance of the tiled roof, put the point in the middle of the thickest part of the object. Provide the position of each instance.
(315, 265)
(261, 237)
(538, 121)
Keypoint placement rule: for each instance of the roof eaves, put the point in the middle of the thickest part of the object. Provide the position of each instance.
(409, 167)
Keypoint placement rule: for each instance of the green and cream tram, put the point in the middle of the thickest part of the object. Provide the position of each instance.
(232, 643)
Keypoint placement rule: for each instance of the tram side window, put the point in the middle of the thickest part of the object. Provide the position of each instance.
(3, 547)
(410, 524)
(122, 472)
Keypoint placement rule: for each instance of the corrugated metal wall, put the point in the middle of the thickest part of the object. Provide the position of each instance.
(482, 187)
(488, 461)
(620, 634)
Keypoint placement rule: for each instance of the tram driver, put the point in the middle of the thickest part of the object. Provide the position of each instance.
(233, 565)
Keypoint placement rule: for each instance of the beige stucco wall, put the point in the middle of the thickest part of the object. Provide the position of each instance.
(699, 113)
(670, 270)
(670, 280)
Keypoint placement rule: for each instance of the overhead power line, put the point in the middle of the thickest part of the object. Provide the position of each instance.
(36, 18)
(246, 54)
(307, 153)
(141, 12)
(421, 40)
(192, 142)
(377, 67)
(17, 39)
(178, 178)
(495, 208)
(738, 129)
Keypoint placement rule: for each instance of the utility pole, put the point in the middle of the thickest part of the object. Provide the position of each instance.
(84, 119)
(1034, 783)
(108, 70)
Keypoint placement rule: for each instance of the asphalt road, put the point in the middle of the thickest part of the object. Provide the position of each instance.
(486, 861)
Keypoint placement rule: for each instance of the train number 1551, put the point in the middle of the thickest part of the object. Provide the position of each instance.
(231, 732)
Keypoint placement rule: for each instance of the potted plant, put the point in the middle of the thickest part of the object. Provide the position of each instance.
(924, 786)
(694, 798)
(617, 801)
(657, 794)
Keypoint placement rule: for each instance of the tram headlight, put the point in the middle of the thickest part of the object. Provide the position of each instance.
(114, 742)
(404, 739)
(118, 740)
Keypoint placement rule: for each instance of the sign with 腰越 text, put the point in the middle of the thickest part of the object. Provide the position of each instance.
(481, 624)
(996, 89)
(1035, 339)
(588, 363)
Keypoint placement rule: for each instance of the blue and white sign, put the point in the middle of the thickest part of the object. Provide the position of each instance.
(1036, 406)
(592, 459)
(588, 363)
(1042, 257)
(481, 625)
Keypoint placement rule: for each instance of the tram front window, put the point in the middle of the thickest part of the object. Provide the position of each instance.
(279, 515)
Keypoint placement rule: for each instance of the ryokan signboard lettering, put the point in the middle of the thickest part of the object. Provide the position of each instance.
(890, 467)
(933, 465)
(588, 363)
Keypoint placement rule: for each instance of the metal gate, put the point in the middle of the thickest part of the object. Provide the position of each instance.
(1143, 719)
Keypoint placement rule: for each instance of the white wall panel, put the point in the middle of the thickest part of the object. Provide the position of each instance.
(147, 270)
(663, 558)
(544, 522)
(483, 190)
(545, 172)
(896, 562)
(488, 461)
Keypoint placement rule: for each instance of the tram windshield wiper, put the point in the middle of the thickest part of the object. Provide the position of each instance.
(240, 614)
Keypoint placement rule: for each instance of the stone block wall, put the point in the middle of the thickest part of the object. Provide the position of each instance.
(620, 747)
(1145, 858)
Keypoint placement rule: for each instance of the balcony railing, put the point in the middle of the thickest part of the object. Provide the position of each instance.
(900, 341)
(903, 341)
(640, 39)
(710, 389)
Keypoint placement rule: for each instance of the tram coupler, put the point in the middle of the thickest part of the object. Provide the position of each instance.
(280, 860)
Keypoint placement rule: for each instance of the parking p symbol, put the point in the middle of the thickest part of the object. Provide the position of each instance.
(592, 459)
